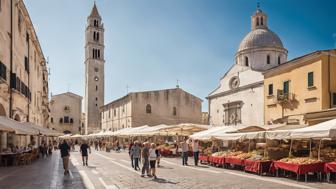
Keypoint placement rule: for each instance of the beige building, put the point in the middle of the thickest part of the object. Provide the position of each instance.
(23, 69)
(94, 70)
(66, 113)
(169, 106)
(302, 90)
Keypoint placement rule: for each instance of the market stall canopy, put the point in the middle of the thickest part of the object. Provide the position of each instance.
(131, 131)
(322, 130)
(185, 129)
(77, 136)
(205, 135)
(152, 130)
(42, 130)
(66, 136)
(240, 136)
(18, 127)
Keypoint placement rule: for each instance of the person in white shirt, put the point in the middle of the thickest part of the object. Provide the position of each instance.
(152, 160)
(185, 150)
(195, 148)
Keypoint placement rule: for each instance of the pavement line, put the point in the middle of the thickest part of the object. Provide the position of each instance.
(121, 165)
(107, 186)
(87, 182)
(53, 183)
(94, 172)
(198, 169)
(125, 161)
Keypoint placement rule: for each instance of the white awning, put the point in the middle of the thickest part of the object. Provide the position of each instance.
(17, 127)
(322, 130)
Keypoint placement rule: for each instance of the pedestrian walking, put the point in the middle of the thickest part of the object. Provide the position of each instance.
(130, 153)
(185, 150)
(158, 155)
(136, 150)
(152, 160)
(65, 154)
(145, 160)
(84, 150)
(195, 148)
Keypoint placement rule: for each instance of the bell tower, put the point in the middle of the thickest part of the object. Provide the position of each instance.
(94, 71)
(259, 19)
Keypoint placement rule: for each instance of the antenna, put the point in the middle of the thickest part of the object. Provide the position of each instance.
(177, 83)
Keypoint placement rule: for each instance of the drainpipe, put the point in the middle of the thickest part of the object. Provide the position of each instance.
(11, 62)
(28, 71)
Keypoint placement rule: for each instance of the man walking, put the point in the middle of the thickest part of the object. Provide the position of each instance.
(145, 160)
(65, 154)
(84, 150)
(185, 150)
(136, 154)
(195, 148)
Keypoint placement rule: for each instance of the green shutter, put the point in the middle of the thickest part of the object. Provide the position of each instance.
(286, 87)
(310, 79)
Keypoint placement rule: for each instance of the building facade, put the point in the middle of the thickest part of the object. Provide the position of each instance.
(170, 106)
(303, 90)
(94, 70)
(239, 97)
(66, 113)
(23, 68)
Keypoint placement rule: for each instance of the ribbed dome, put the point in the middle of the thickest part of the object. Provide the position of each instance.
(261, 37)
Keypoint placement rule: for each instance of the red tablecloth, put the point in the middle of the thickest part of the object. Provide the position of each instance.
(166, 152)
(217, 160)
(298, 169)
(257, 166)
(234, 161)
(203, 158)
(330, 167)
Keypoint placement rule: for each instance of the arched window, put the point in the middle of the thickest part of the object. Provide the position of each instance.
(95, 23)
(257, 21)
(279, 60)
(268, 59)
(97, 36)
(261, 21)
(94, 36)
(93, 53)
(174, 111)
(246, 61)
(148, 109)
(98, 53)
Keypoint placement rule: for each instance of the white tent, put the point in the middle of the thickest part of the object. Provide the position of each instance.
(322, 130)
(131, 131)
(240, 136)
(152, 130)
(18, 127)
(207, 134)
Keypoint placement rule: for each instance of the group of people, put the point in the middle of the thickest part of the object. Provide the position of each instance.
(45, 148)
(148, 154)
(185, 146)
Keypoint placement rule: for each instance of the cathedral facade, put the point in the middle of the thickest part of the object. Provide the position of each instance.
(94, 71)
(239, 98)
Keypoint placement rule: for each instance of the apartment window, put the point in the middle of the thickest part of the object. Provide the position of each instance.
(26, 63)
(286, 87)
(310, 79)
(268, 59)
(148, 109)
(270, 89)
(174, 111)
(66, 119)
(246, 61)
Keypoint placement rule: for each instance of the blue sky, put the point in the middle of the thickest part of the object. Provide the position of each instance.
(149, 44)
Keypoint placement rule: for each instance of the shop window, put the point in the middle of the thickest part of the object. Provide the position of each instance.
(270, 89)
(148, 109)
(310, 79)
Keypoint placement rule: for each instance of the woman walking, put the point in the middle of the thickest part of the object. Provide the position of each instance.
(152, 160)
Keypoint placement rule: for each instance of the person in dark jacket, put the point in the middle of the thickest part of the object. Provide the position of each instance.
(65, 154)
(84, 150)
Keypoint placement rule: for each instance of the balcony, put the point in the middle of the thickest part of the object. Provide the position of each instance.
(283, 97)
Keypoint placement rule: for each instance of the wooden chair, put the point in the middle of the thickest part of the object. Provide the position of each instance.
(21, 159)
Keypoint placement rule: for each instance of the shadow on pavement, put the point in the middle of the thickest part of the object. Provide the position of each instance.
(163, 181)
(163, 167)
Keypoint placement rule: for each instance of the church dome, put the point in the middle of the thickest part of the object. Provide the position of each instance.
(261, 37)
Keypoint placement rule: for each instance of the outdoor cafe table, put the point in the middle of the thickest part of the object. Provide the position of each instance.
(203, 158)
(216, 160)
(329, 168)
(298, 169)
(11, 156)
(257, 166)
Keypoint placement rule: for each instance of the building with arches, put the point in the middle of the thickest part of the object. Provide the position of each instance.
(168, 106)
(239, 98)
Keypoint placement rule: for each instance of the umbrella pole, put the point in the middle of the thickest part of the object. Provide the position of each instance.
(290, 148)
(319, 150)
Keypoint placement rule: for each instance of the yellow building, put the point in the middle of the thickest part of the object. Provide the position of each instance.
(303, 90)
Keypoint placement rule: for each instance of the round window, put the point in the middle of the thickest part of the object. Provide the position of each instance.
(234, 82)
(96, 78)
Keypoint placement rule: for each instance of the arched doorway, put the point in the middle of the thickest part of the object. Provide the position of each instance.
(17, 118)
(2, 110)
